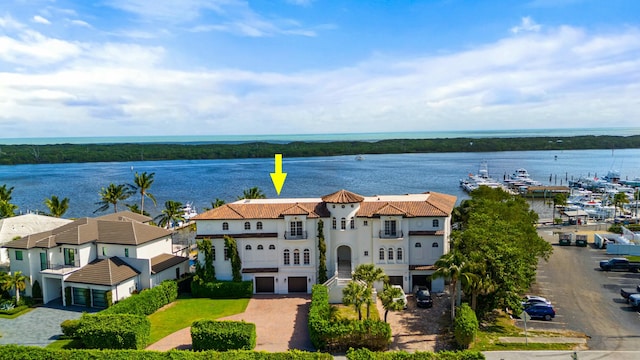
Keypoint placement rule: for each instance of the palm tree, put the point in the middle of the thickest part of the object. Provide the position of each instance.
(112, 195)
(16, 281)
(619, 199)
(57, 207)
(7, 209)
(452, 266)
(253, 193)
(369, 274)
(217, 203)
(134, 208)
(171, 214)
(391, 298)
(355, 294)
(5, 193)
(558, 200)
(142, 183)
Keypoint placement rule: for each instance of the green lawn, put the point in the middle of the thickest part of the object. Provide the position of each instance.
(185, 311)
(342, 312)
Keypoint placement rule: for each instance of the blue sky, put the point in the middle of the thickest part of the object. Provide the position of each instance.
(227, 67)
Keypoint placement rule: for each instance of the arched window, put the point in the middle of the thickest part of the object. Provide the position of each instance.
(343, 224)
(399, 254)
(381, 254)
(390, 256)
(352, 223)
(225, 226)
(287, 259)
(435, 244)
(260, 247)
(259, 225)
(247, 225)
(296, 257)
(418, 244)
(271, 247)
(436, 223)
(306, 257)
(333, 223)
(248, 247)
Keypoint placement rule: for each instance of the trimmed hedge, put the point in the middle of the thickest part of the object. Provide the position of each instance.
(366, 354)
(147, 301)
(342, 335)
(15, 310)
(38, 353)
(465, 326)
(70, 328)
(222, 289)
(114, 331)
(223, 335)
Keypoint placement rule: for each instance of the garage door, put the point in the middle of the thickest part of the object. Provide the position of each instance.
(421, 280)
(99, 298)
(80, 296)
(264, 284)
(297, 284)
(396, 280)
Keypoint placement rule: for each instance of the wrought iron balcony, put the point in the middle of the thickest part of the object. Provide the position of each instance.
(391, 234)
(288, 235)
(55, 268)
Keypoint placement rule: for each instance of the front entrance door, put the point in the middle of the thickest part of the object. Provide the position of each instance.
(344, 262)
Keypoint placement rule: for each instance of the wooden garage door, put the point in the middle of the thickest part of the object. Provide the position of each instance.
(396, 280)
(264, 284)
(297, 284)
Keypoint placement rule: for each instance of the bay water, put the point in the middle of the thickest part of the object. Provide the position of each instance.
(202, 181)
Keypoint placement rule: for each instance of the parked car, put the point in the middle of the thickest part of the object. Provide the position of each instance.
(626, 293)
(423, 299)
(619, 264)
(404, 296)
(542, 311)
(634, 300)
(529, 300)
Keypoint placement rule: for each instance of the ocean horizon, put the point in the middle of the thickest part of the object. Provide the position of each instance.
(287, 138)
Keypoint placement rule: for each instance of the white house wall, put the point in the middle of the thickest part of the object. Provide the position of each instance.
(154, 248)
(170, 273)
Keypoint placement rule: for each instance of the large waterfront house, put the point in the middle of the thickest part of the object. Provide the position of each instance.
(91, 261)
(277, 239)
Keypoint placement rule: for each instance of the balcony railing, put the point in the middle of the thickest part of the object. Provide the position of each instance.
(295, 235)
(391, 234)
(62, 268)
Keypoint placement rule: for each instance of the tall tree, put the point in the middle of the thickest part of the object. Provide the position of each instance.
(57, 207)
(369, 273)
(15, 281)
(391, 298)
(112, 195)
(232, 251)
(7, 209)
(5, 193)
(356, 293)
(558, 200)
(205, 272)
(171, 214)
(253, 193)
(141, 184)
(322, 254)
(136, 209)
(452, 266)
(619, 199)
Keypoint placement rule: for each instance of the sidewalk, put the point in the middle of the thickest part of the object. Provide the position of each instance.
(543, 340)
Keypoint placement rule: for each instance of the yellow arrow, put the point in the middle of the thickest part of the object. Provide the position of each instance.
(278, 176)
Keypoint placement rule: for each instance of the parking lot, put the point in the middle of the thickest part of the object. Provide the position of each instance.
(586, 299)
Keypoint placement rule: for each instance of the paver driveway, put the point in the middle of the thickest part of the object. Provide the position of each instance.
(281, 324)
(39, 327)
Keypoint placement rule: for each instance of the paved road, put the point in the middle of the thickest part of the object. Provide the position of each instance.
(587, 299)
(39, 327)
(561, 355)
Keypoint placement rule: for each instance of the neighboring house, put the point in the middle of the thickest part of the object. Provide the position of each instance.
(277, 239)
(97, 259)
(23, 225)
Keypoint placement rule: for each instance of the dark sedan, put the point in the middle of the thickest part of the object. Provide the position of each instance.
(423, 299)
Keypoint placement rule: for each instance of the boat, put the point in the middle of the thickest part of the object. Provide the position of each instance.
(359, 158)
(482, 178)
(188, 211)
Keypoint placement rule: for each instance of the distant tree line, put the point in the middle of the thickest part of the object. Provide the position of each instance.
(80, 153)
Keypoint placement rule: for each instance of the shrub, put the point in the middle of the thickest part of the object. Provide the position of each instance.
(36, 291)
(223, 335)
(465, 326)
(70, 328)
(365, 354)
(146, 302)
(12, 309)
(116, 331)
(222, 289)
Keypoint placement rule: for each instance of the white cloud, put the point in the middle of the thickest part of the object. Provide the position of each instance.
(526, 25)
(31, 48)
(80, 23)
(41, 20)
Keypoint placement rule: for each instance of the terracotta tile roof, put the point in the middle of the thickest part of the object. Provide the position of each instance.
(259, 270)
(85, 230)
(426, 232)
(429, 204)
(342, 197)
(107, 272)
(239, 236)
(165, 261)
